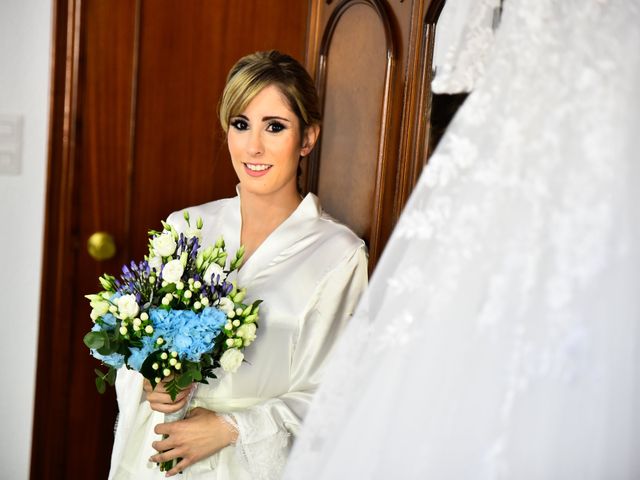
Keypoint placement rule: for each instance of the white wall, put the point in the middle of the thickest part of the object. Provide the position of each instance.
(25, 42)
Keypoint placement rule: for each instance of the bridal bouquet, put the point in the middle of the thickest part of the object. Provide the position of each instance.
(174, 316)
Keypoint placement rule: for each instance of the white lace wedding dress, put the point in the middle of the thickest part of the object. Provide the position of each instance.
(500, 336)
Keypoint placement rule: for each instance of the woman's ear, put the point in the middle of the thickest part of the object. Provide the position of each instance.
(309, 139)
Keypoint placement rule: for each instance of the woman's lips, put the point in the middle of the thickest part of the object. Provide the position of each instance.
(256, 169)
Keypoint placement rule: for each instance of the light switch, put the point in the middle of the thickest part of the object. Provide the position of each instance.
(10, 144)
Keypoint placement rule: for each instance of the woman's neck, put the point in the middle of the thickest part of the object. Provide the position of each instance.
(262, 214)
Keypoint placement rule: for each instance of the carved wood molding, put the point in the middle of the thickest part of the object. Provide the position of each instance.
(47, 445)
(385, 161)
(416, 117)
(429, 37)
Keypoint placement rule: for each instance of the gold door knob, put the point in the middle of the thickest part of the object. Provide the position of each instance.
(101, 246)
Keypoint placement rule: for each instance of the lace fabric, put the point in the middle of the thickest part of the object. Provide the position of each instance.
(261, 446)
(464, 39)
(499, 337)
(230, 422)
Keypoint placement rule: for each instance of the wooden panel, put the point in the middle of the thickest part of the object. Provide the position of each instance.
(73, 423)
(55, 305)
(181, 154)
(416, 125)
(357, 74)
(103, 153)
(353, 101)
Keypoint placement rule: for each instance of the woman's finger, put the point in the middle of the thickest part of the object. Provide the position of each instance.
(179, 467)
(162, 457)
(164, 445)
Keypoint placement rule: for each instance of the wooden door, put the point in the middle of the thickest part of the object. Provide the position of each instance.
(134, 135)
(372, 64)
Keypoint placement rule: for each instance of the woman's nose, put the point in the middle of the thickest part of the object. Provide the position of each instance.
(255, 146)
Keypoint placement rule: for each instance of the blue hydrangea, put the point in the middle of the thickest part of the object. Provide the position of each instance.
(188, 333)
(214, 317)
(137, 358)
(115, 360)
(139, 355)
(106, 323)
(160, 318)
(109, 319)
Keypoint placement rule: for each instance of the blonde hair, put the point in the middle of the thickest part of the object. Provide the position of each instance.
(258, 70)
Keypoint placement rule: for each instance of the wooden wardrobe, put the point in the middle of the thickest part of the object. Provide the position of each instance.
(372, 64)
(134, 135)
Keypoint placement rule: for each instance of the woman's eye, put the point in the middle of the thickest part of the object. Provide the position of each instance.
(275, 127)
(239, 124)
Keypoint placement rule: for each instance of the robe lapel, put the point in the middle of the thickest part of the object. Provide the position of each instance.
(278, 244)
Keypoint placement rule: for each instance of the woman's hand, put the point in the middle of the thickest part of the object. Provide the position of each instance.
(160, 400)
(198, 436)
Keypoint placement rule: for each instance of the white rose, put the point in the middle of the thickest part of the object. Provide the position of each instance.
(99, 308)
(155, 263)
(247, 332)
(226, 305)
(231, 360)
(127, 306)
(215, 270)
(164, 244)
(172, 271)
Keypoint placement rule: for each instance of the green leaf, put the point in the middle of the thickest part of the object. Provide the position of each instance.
(255, 304)
(110, 377)
(108, 347)
(183, 381)
(146, 370)
(95, 340)
(170, 288)
(100, 384)
(172, 388)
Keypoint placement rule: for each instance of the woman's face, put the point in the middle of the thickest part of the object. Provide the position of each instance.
(265, 144)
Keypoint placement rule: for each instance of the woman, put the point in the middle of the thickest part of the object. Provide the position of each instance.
(308, 269)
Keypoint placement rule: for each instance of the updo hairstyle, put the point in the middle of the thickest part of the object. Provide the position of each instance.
(258, 70)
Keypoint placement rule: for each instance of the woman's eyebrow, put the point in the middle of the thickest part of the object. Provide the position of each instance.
(264, 119)
(275, 117)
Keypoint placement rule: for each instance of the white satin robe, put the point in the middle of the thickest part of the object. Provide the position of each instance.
(310, 273)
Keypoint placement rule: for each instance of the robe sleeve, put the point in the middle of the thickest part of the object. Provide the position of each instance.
(264, 430)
